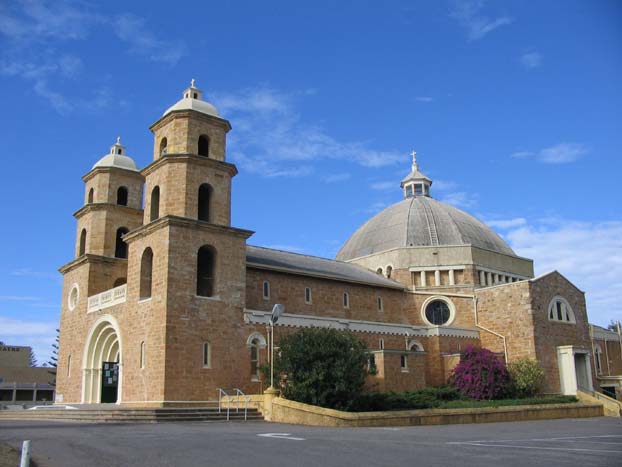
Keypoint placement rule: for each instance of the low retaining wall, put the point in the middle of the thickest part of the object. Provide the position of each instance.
(286, 411)
(611, 407)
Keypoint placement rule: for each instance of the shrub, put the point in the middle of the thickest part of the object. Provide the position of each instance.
(527, 377)
(322, 367)
(481, 375)
(422, 399)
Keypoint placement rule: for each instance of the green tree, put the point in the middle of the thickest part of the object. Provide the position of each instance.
(527, 377)
(322, 367)
(32, 358)
(53, 361)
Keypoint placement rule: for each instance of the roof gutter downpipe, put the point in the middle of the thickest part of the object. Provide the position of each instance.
(505, 347)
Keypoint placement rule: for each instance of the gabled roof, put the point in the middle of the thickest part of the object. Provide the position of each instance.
(294, 263)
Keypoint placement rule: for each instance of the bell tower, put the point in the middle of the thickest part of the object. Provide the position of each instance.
(187, 265)
(189, 176)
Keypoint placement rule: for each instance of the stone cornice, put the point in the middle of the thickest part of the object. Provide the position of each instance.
(375, 327)
(97, 170)
(169, 220)
(231, 169)
(187, 113)
(102, 207)
(89, 258)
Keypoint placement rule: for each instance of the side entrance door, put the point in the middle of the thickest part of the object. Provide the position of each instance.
(110, 381)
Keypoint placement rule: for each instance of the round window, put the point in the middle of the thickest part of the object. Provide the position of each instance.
(437, 312)
(73, 297)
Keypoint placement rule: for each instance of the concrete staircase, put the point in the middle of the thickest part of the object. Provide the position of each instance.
(129, 415)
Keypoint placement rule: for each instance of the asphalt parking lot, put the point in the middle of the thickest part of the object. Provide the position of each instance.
(571, 442)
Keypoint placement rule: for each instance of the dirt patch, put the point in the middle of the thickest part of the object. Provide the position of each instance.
(10, 457)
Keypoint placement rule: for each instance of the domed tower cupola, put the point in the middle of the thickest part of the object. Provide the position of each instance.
(416, 183)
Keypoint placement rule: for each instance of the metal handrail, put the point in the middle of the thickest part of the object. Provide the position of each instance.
(222, 392)
(246, 401)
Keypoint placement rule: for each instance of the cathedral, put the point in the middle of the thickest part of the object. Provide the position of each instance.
(165, 301)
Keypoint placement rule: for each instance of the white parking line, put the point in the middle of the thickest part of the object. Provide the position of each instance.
(280, 436)
(537, 447)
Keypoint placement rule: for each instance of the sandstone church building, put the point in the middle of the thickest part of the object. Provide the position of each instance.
(165, 302)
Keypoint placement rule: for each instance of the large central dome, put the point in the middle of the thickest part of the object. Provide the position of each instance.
(420, 220)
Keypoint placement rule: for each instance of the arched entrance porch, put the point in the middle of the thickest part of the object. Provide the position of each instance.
(102, 372)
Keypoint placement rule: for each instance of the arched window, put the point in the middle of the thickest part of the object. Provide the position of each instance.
(379, 271)
(205, 196)
(560, 310)
(82, 246)
(163, 146)
(389, 271)
(415, 346)
(203, 149)
(91, 194)
(380, 304)
(255, 359)
(119, 282)
(122, 196)
(346, 300)
(142, 354)
(207, 355)
(155, 204)
(205, 271)
(266, 290)
(381, 344)
(308, 295)
(146, 271)
(597, 359)
(120, 248)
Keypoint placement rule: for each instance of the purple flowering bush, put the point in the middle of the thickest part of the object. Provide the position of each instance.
(481, 375)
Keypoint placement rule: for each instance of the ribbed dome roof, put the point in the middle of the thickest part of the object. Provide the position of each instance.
(420, 221)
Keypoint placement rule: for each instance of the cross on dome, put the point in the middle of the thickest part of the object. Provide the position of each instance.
(416, 183)
(192, 92)
(117, 148)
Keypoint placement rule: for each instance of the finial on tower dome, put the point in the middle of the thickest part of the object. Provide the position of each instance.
(117, 148)
(192, 92)
(416, 183)
(415, 165)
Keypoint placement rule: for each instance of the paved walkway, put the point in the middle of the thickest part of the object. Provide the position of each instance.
(569, 442)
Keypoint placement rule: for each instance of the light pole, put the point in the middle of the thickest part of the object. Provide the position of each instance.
(277, 310)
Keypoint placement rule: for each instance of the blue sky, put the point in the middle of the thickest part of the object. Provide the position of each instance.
(512, 106)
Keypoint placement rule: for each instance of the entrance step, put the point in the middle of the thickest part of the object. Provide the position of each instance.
(123, 415)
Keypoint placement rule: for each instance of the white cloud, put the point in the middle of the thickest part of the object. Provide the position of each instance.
(468, 14)
(29, 272)
(531, 59)
(335, 178)
(131, 29)
(461, 199)
(588, 254)
(37, 29)
(272, 138)
(384, 186)
(561, 153)
(507, 223)
(425, 99)
(18, 298)
(40, 335)
(444, 185)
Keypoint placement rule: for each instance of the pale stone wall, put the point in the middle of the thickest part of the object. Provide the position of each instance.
(551, 334)
(105, 182)
(326, 297)
(183, 129)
